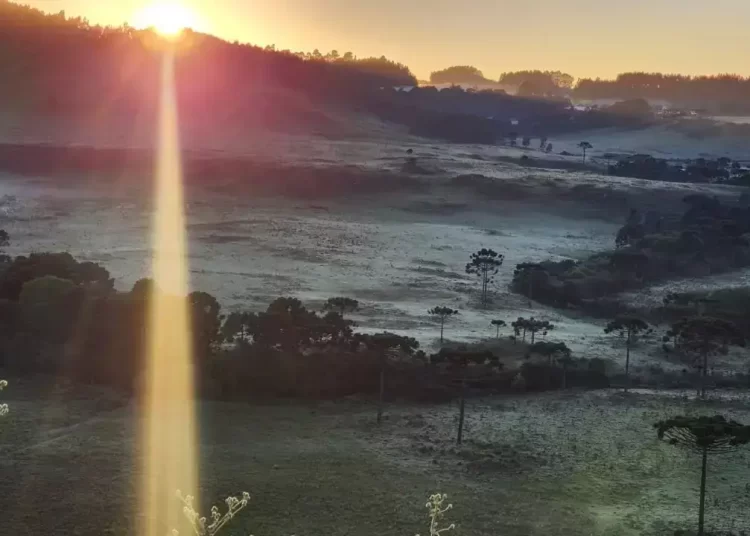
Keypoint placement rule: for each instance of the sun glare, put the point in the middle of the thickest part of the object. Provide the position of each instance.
(167, 18)
(169, 428)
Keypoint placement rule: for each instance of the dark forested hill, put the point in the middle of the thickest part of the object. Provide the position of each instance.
(65, 69)
(59, 65)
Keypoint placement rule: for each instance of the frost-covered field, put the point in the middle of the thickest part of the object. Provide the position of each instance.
(399, 253)
(393, 254)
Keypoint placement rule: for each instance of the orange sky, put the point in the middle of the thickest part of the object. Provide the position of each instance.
(582, 37)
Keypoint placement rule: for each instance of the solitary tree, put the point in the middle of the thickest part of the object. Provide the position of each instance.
(585, 146)
(526, 141)
(442, 313)
(498, 324)
(704, 336)
(485, 264)
(341, 305)
(628, 327)
(459, 360)
(703, 435)
(549, 148)
(543, 143)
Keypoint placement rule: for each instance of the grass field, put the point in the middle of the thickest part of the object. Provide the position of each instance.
(577, 463)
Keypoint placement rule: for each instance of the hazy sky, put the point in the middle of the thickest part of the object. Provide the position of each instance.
(583, 37)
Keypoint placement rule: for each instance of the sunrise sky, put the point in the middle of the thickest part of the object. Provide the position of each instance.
(582, 37)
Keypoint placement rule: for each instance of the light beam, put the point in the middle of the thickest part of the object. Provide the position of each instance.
(169, 426)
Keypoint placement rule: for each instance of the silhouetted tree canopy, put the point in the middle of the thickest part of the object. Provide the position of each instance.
(442, 313)
(61, 265)
(633, 107)
(538, 83)
(704, 337)
(730, 91)
(551, 350)
(533, 326)
(485, 264)
(628, 327)
(498, 324)
(459, 74)
(703, 435)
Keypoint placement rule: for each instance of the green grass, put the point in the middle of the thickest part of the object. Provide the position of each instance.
(567, 464)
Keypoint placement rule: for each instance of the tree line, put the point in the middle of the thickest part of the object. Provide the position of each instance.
(60, 316)
(730, 91)
(528, 83)
(63, 317)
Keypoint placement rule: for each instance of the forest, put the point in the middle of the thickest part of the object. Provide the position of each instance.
(729, 93)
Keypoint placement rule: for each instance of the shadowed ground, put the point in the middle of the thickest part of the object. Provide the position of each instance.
(575, 463)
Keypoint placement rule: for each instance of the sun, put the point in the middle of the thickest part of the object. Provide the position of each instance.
(167, 18)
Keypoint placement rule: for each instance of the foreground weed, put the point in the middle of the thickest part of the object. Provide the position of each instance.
(3, 407)
(436, 506)
(218, 520)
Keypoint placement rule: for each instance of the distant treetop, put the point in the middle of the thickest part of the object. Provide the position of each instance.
(459, 74)
(538, 83)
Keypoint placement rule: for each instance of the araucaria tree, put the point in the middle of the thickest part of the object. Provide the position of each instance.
(459, 361)
(533, 326)
(585, 146)
(485, 264)
(442, 313)
(704, 337)
(628, 327)
(703, 435)
(519, 327)
(498, 324)
(384, 346)
(539, 326)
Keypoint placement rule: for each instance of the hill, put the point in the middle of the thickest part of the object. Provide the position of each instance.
(65, 72)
